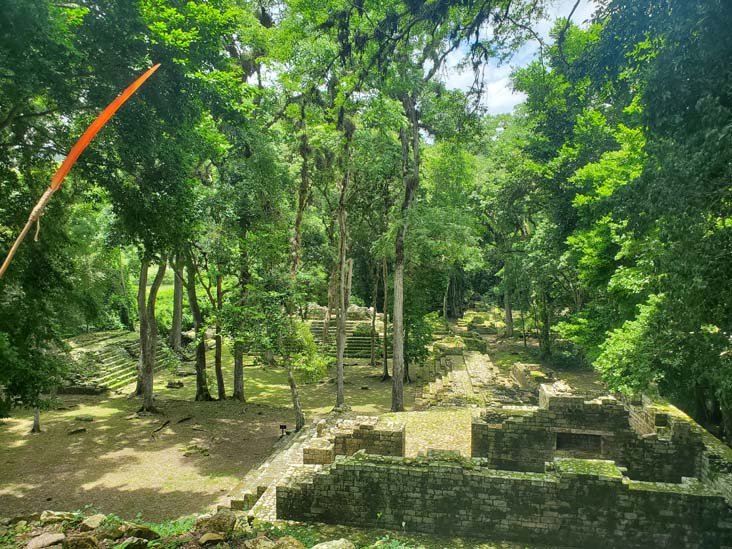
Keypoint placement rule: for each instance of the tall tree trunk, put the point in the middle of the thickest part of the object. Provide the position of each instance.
(444, 299)
(411, 182)
(343, 291)
(397, 388)
(349, 280)
(299, 416)
(239, 347)
(508, 311)
(142, 320)
(36, 420)
(124, 313)
(238, 372)
(202, 392)
(332, 290)
(374, 298)
(545, 343)
(218, 338)
(302, 195)
(149, 331)
(523, 327)
(174, 339)
(385, 273)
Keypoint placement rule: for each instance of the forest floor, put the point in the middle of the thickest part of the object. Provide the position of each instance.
(124, 465)
(120, 466)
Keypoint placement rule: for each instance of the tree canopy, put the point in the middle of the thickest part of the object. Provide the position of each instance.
(290, 153)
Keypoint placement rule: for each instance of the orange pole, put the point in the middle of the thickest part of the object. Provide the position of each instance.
(73, 155)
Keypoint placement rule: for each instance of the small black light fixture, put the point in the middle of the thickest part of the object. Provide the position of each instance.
(283, 429)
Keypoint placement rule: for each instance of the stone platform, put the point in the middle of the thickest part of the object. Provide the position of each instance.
(573, 471)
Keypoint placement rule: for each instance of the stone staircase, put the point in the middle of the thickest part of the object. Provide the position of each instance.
(453, 386)
(256, 492)
(110, 359)
(358, 338)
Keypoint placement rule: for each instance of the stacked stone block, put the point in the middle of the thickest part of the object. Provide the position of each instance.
(318, 451)
(524, 438)
(386, 439)
(350, 436)
(522, 374)
(581, 503)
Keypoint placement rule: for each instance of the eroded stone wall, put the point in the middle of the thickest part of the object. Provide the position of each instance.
(348, 436)
(382, 438)
(579, 503)
(524, 438)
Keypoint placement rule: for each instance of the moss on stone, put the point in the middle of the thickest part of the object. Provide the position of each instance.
(691, 486)
(599, 467)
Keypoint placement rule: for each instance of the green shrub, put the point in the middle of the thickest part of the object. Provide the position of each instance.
(309, 364)
(362, 329)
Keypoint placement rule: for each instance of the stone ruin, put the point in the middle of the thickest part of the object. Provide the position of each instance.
(349, 436)
(648, 445)
(299, 456)
(572, 471)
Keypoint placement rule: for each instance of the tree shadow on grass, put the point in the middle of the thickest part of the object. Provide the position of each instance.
(120, 465)
(185, 467)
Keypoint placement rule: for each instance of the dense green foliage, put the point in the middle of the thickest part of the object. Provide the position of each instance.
(618, 170)
(284, 145)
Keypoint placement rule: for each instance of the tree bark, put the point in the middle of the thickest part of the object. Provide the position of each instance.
(302, 195)
(508, 311)
(36, 421)
(545, 343)
(385, 274)
(444, 300)
(141, 318)
(238, 372)
(174, 339)
(374, 298)
(523, 327)
(124, 314)
(299, 416)
(148, 331)
(343, 291)
(332, 289)
(219, 340)
(349, 280)
(202, 392)
(397, 388)
(411, 183)
(294, 267)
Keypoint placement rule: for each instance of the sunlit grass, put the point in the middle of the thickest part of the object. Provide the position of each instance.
(267, 385)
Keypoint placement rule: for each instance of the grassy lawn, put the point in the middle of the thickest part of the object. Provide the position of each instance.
(123, 464)
(365, 392)
(119, 465)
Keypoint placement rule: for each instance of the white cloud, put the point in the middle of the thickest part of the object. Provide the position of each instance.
(498, 95)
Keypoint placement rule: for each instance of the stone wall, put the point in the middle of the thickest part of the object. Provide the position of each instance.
(713, 462)
(524, 438)
(582, 503)
(348, 436)
(529, 376)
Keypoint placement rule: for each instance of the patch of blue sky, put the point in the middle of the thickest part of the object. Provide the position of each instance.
(498, 94)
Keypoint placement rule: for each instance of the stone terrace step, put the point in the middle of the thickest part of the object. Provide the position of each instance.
(262, 480)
